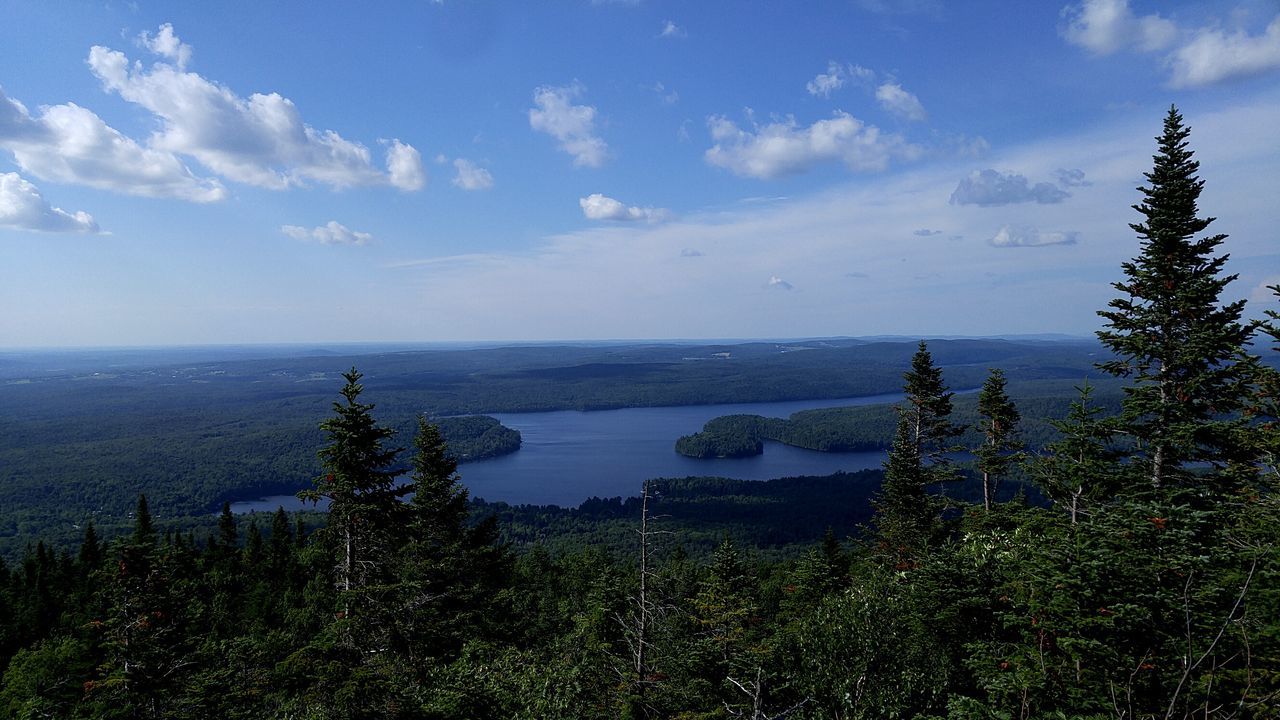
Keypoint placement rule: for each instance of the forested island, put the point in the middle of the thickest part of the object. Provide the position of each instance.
(871, 427)
(1129, 567)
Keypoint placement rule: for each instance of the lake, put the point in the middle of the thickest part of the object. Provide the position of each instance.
(568, 456)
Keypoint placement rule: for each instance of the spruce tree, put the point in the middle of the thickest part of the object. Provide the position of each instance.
(998, 424)
(366, 518)
(1170, 333)
(143, 533)
(906, 512)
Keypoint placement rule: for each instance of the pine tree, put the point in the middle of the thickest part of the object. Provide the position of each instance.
(1170, 333)
(998, 423)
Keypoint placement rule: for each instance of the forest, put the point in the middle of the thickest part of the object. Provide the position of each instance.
(870, 427)
(1128, 566)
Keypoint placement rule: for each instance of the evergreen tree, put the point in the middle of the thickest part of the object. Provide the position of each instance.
(366, 518)
(143, 533)
(446, 575)
(1079, 469)
(998, 423)
(1170, 334)
(906, 512)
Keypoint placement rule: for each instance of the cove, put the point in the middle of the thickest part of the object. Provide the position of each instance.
(568, 456)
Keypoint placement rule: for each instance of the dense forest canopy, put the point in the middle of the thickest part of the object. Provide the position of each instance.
(1146, 586)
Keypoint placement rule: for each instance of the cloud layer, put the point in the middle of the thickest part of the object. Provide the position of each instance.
(22, 207)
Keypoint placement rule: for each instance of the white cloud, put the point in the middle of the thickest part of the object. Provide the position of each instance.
(900, 102)
(331, 233)
(1202, 57)
(22, 207)
(597, 206)
(471, 176)
(777, 282)
(573, 125)
(784, 148)
(1106, 26)
(835, 78)
(815, 240)
(1028, 236)
(260, 140)
(404, 166)
(69, 144)
(671, 30)
(167, 45)
(1213, 55)
(990, 188)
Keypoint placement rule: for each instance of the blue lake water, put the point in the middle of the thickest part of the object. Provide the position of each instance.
(568, 456)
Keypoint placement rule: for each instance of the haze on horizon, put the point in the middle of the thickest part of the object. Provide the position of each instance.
(447, 171)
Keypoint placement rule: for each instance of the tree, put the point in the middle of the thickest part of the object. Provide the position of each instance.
(906, 512)
(1169, 332)
(366, 518)
(450, 570)
(143, 533)
(1079, 469)
(998, 423)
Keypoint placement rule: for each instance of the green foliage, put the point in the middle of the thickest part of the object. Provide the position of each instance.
(1183, 350)
(999, 427)
(1126, 598)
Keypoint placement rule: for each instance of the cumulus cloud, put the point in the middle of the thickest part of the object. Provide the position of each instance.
(836, 76)
(597, 206)
(404, 166)
(990, 188)
(1028, 236)
(925, 232)
(1071, 178)
(471, 176)
(259, 140)
(779, 283)
(331, 233)
(22, 207)
(1106, 26)
(785, 148)
(573, 125)
(69, 144)
(900, 102)
(166, 44)
(1213, 56)
(1196, 57)
(672, 30)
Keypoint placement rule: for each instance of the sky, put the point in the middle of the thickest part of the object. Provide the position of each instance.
(236, 172)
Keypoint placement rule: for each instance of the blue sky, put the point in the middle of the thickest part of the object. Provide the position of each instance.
(191, 173)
